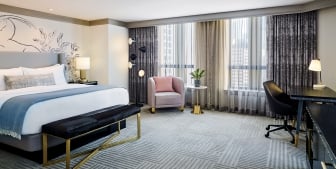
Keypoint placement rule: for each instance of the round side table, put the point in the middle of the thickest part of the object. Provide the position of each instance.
(197, 107)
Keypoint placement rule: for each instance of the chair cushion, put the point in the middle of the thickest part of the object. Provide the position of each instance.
(167, 98)
(163, 84)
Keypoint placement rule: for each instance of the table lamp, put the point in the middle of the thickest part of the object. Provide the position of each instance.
(83, 64)
(315, 65)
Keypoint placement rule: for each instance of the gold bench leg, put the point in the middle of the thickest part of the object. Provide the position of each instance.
(67, 154)
(138, 125)
(45, 149)
(91, 152)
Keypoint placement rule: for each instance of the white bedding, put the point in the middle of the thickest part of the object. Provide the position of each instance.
(60, 108)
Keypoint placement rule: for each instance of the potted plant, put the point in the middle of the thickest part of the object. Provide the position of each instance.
(197, 75)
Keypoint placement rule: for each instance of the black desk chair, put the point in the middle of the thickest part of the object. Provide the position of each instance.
(280, 104)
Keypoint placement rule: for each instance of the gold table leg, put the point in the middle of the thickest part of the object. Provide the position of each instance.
(296, 140)
(197, 107)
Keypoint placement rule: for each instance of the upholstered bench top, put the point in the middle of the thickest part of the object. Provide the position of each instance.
(77, 125)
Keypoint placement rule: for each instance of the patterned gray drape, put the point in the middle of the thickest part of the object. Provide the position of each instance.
(144, 37)
(291, 45)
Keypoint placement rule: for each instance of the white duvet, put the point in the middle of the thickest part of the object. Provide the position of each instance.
(63, 107)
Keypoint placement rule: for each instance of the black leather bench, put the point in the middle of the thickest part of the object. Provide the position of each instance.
(81, 125)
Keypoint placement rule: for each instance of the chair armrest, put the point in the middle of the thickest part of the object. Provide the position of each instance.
(151, 92)
(178, 86)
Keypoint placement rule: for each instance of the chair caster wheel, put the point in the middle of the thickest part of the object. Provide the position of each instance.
(267, 135)
(267, 128)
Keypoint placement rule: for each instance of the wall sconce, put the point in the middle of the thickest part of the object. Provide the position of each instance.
(141, 73)
(130, 65)
(83, 64)
(315, 65)
(143, 49)
(133, 56)
(130, 41)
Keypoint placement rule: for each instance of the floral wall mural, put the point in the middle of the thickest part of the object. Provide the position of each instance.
(36, 39)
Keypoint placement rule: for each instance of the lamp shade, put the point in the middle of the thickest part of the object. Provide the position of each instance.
(315, 65)
(141, 73)
(133, 56)
(130, 41)
(130, 65)
(83, 63)
(143, 49)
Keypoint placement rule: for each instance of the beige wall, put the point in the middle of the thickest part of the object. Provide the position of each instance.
(99, 54)
(109, 55)
(327, 45)
(118, 56)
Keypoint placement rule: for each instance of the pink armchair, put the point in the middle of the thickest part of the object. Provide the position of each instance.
(165, 92)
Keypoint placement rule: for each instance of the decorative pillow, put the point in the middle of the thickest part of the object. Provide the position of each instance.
(163, 84)
(16, 82)
(57, 70)
(8, 72)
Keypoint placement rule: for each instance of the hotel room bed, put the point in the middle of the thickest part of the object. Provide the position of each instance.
(54, 109)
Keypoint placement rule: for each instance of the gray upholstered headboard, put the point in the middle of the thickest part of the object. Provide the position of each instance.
(29, 59)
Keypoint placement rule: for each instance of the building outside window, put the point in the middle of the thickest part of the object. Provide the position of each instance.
(247, 53)
(176, 44)
(247, 67)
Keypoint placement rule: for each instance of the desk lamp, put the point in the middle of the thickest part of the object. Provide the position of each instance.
(315, 65)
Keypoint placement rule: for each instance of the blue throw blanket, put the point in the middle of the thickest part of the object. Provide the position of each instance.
(13, 111)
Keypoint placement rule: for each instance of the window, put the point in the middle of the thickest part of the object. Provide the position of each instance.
(247, 53)
(247, 60)
(176, 43)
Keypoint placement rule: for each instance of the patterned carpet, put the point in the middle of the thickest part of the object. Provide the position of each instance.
(172, 139)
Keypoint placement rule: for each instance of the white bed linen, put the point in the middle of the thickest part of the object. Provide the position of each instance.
(64, 107)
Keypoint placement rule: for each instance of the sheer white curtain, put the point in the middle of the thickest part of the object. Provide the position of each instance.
(247, 65)
(176, 44)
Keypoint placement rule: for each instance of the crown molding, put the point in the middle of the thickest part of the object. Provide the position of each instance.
(315, 5)
(107, 21)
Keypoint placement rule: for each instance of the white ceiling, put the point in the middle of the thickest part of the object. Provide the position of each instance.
(139, 10)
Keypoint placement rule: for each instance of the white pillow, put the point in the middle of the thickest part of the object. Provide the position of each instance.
(8, 72)
(57, 70)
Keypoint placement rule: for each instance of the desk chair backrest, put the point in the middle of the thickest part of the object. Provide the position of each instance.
(279, 102)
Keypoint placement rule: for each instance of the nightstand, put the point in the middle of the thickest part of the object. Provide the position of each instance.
(87, 83)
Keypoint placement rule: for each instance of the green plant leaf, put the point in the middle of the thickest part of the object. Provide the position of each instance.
(197, 74)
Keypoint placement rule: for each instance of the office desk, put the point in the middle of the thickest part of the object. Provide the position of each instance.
(321, 138)
(303, 94)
